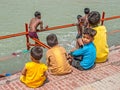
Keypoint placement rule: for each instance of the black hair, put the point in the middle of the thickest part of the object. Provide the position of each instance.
(36, 52)
(86, 10)
(94, 18)
(79, 16)
(37, 13)
(90, 32)
(52, 40)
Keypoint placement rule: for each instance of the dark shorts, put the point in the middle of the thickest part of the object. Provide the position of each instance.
(33, 35)
(78, 36)
(76, 64)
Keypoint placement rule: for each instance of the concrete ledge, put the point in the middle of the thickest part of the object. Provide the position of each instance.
(105, 76)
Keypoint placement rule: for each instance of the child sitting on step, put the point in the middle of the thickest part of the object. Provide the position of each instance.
(100, 40)
(87, 52)
(34, 72)
(56, 57)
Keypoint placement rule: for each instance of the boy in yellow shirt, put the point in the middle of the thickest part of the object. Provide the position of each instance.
(100, 40)
(34, 72)
(56, 57)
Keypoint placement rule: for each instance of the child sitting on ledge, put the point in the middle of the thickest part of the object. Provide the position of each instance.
(87, 52)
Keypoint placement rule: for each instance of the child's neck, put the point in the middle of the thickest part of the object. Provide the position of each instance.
(92, 26)
(36, 61)
(55, 45)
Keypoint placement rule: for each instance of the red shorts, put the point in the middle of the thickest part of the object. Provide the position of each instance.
(33, 35)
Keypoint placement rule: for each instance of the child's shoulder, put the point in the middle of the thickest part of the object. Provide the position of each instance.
(89, 45)
(29, 62)
(100, 27)
(59, 47)
(43, 65)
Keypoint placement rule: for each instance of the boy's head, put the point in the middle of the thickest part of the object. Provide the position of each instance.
(86, 10)
(52, 40)
(88, 35)
(37, 14)
(94, 18)
(78, 17)
(36, 52)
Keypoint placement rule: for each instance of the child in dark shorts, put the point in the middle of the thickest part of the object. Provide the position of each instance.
(84, 58)
(33, 35)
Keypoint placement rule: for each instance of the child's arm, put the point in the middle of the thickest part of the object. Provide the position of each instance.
(80, 42)
(24, 71)
(41, 26)
(73, 49)
(46, 74)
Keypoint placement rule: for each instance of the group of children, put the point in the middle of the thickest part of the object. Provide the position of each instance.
(84, 58)
(91, 47)
(34, 73)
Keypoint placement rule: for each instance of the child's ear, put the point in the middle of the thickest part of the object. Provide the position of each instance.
(92, 39)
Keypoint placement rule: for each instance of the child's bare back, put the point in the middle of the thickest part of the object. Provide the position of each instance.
(34, 23)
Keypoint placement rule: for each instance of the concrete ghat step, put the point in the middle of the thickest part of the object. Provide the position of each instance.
(104, 76)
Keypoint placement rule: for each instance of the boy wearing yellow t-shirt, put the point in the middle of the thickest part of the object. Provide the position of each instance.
(34, 72)
(100, 40)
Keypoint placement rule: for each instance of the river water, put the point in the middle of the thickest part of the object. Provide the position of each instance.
(15, 13)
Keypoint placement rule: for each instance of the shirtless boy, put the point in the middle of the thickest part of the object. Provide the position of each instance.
(34, 23)
(85, 18)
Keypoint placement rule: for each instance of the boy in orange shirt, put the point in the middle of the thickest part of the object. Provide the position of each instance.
(57, 57)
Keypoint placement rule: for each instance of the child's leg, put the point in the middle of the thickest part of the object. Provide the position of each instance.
(80, 67)
(33, 35)
(92, 67)
(76, 63)
(78, 58)
(46, 81)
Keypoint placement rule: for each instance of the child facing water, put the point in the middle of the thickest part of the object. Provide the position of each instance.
(100, 40)
(81, 25)
(56, 57)
(34, 72)
(34, 24)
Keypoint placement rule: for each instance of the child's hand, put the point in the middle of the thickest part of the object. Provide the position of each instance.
(69, 58)
(73, 50)
(46, 27)
(77, 23)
